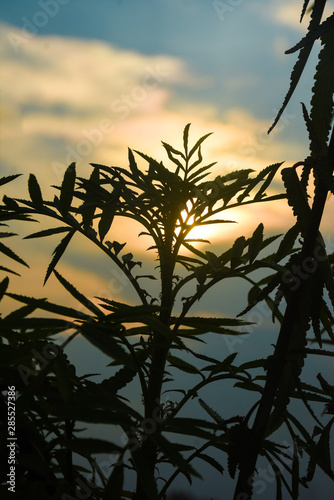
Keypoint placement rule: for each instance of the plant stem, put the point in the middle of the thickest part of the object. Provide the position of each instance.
(159, 356)
(244, 487)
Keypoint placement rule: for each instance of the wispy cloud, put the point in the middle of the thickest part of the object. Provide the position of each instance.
(70, 100)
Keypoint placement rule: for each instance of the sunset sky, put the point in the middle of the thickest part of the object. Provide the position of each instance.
(83, 80)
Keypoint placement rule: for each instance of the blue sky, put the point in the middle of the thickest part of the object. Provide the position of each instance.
(222, 40)
(82, 80)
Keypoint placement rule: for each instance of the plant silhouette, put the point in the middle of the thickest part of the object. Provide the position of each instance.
(152, 339)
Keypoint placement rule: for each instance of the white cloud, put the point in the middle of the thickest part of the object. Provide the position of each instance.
(287, 13)
(71, 100)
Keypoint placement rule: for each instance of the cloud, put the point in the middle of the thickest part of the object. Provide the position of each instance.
(86, 101)
(76, 100)
(287, 13)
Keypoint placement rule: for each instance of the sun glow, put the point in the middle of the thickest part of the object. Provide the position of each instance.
(235, 221)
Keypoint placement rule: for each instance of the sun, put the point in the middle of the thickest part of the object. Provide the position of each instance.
(220, 231)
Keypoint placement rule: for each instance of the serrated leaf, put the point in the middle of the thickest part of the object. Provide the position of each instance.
(212, 462)
(106, 220)
(49, 306)
(223, 326)
(10, 203)
(132, 164)
(237, 251)
(213, 414)
(67, 189)
(186, 137)
(287, 243)
(47, 232)
(3, 286)
(182, 365)
(305, 4)
(313, 35)
(198, 143)
(303, 56)
(35, 191)
(58, 252)
(196, 176)
(102, 337)
(78, 296)
(267, 181)
(269, 171)
(194, 165)
(89, 205)
(121, 378)
(296, 198)
(170, 152)
(8, 178)
(255, 243)
(321, 114)
(7, 270)
(11, 254)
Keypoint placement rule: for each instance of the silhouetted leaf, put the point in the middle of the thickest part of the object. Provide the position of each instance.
(186, 138)
(212, 462)
(11, 254)
(237, 251)
(102, 337)
(67, 189)
(198, 143)
(303, 56)
(35, 191)
(213, 414)
(3, 286)
(78, 296)
(106, 220)
(58, 252)
(49, 306)
(322, 101)
(8, 178)
(47, 232)
(114, 488)
(182, 365)
(255, 243)
(10, 203)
